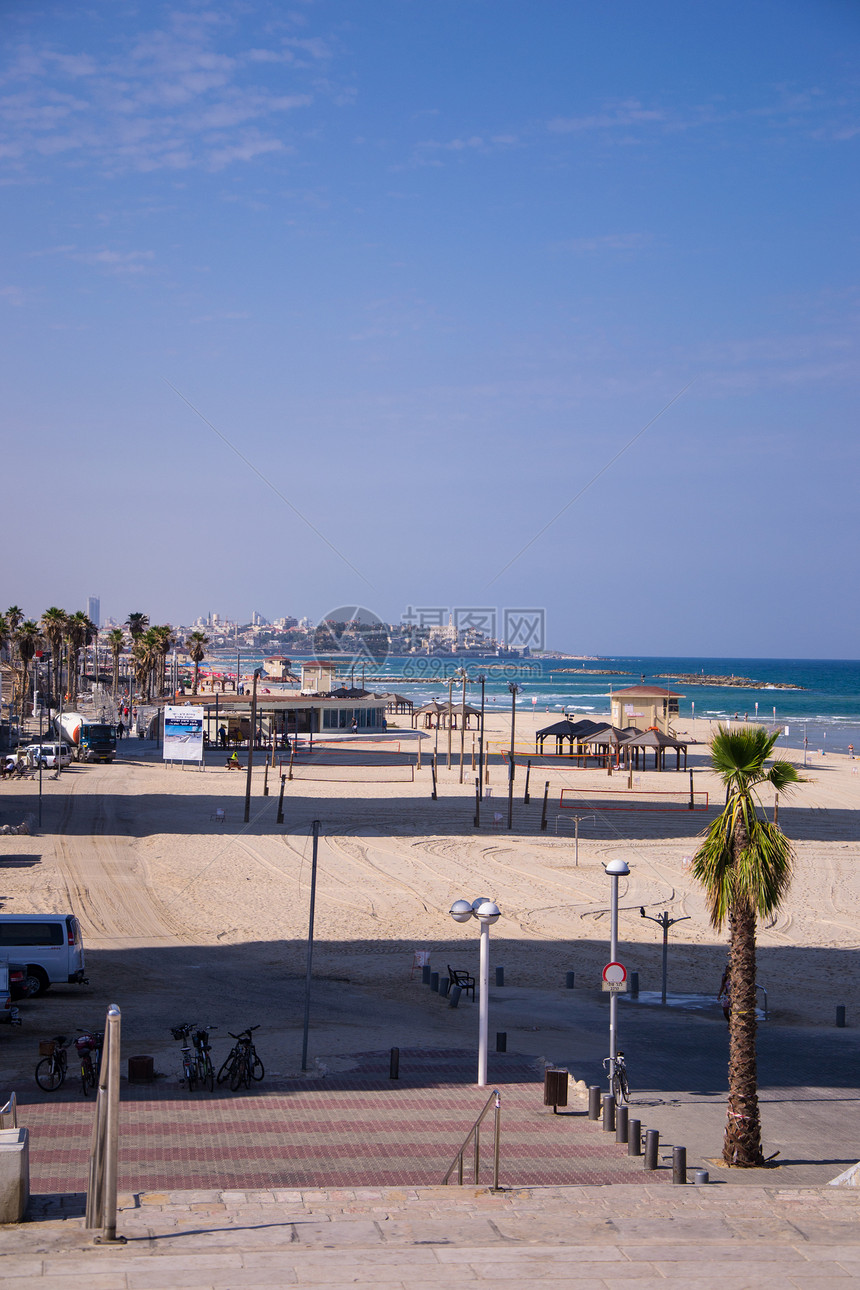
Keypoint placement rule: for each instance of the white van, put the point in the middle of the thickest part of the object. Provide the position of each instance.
(50, 946)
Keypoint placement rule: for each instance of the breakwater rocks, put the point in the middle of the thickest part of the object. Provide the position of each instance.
(738, 682)
(588, 671)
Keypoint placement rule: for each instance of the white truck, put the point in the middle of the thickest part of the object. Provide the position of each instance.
(90, 740)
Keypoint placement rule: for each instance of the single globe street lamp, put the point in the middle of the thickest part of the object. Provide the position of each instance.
(615, 869)
(487, 912)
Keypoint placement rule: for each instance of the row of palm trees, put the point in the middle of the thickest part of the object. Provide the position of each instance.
(67, 634)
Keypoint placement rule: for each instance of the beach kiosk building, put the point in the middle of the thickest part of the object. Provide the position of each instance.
(645, 706)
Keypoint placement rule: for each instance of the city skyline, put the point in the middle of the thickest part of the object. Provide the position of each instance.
(463, 304)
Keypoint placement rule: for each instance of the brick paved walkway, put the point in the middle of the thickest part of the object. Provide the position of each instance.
(355, 1128)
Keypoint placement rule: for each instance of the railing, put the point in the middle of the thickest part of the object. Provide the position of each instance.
(474, 1134)
(9, 1113)
(101, 1186)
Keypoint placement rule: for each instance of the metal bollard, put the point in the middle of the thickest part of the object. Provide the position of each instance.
(444, 986)
(425, 974)
(594, 1101)
(652, 1146)
(679, 1164)
(621, 1126)
(634, 1138)
(634, 985)
(570, 980)
(501, 1041)
(500, 976)
(434, 982)
(840, 1016)
(608, 1113)
(456, 991)
(394, 1064)
(701, 1176)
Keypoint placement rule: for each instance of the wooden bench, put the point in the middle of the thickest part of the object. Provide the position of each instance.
(463, 980)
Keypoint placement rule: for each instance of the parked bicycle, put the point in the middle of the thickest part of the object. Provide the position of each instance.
(197, 1068)
(620, 1089)
(53, 1064)
(89, 1044)
(242, 1063)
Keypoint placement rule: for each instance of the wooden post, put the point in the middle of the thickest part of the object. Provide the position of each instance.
(292, 755)
(280, 819)
(543, 812)
(478, 803)
(433, 769)
(526, 798)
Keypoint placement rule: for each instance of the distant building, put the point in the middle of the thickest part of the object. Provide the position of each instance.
(650, 707)
(94, 610)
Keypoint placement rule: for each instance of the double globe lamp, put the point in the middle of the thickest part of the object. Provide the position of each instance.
(487, 912)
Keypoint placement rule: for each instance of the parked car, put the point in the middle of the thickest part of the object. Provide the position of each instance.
(19, 985)
(49, 945)
(49, 755)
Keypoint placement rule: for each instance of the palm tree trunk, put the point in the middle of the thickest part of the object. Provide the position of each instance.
(742, 1146)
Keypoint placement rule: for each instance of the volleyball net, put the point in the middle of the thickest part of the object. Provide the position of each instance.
(635, 799)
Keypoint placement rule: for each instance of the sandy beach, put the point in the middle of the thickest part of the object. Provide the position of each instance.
(183, 914)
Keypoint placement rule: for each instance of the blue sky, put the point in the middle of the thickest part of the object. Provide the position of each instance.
(429, 268)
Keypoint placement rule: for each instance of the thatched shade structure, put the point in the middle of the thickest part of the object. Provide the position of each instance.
(655, 739)
(429, 715)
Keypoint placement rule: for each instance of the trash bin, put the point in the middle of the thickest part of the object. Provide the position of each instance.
(141, 1070)
(555, 1086)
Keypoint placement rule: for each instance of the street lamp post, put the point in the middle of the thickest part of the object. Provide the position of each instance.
(663, 920)
(463, 678)
(616, 869)
(483, 680)
(258, 672)
(514, 689)
(487, 912)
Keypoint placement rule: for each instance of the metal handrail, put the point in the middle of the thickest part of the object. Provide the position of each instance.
(494, 1100)
(102, 1182)
(9, 1113)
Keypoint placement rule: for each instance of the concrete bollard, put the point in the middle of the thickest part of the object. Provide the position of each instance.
(634, 985)
(425, 974)
(501, 1041)
(14, 1173)
(456, 991)
(570, 980)
(679, 1165)
(394, 1064)
(621, 1126)
(608, 1113)
(840, 1016)
(701, 1176)
(500, 976)
(652, 1147)
(444, 986)
(594, 1101)
(434, 982)
(634, 1138)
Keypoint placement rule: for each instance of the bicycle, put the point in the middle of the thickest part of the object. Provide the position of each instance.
(620, 1090)
(189, 1062)
(51, 1069)
(242, 1063)
(89, 1045)
(203, 1055)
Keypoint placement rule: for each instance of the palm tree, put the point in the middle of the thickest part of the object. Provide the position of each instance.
(196, 646)
(744, 865)
(164, 641)
(137, 624)
(53, 624)
(29, 639)
(146, 652)
(5, 632)
(116, 640)
(79, 631)
(14, 617)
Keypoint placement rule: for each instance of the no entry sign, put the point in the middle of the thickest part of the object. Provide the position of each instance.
(615, 978)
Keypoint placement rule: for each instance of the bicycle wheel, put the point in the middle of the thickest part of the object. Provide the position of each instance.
(190, 1077)
(208, 1075)
(237, 1073)
(49, 1074)
(257, 1068)
(87, 1076)
(619, 1088)
(225, 1070)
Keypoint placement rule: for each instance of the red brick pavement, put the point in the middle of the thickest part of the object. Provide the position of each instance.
(355, 1128)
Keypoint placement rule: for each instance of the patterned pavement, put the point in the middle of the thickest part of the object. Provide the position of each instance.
(353, 1128)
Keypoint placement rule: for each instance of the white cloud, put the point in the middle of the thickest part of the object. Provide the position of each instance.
(605, 242)
(117, 261)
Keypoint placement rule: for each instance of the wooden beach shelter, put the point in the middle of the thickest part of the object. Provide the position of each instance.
(645, 706)
(397, 703)
(576, 732)
(451, 713)
(660, 743)
(429, 715)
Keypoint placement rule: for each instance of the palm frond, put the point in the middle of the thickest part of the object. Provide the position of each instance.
(783, 776)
